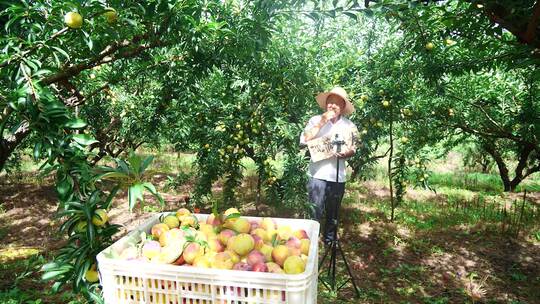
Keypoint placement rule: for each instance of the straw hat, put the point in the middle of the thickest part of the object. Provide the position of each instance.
(339, 91)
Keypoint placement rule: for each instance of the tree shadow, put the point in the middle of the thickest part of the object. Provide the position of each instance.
(27, 217)
(395, 263)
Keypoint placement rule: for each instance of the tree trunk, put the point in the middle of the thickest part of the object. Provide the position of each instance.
(8, 145)
(514, 183)
(511, 185)
(503, 170)
(4, 154)
(507, 187)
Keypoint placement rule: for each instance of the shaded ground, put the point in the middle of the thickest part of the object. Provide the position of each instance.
(392, 263)
(444, 266)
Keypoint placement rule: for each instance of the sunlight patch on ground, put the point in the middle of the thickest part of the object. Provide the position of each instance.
(13, 253)
(460, 268)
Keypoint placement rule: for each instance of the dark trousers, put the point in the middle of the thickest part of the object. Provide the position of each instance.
(326, 196)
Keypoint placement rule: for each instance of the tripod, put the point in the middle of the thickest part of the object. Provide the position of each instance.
(335, 245)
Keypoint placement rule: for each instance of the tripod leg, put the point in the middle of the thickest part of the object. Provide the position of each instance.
(323, 258)
(321, 270)
(349, 271)
(332, 259)
(335, 205)
(335, 243)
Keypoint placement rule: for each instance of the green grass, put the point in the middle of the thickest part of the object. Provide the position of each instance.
(462, 208)
(183, 162)
(170, 162)
(20, 273)
(24, 296)
(490, 183)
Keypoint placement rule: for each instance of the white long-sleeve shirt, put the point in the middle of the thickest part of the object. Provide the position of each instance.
(326, 169)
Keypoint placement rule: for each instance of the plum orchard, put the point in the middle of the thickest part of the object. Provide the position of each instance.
(83, 81)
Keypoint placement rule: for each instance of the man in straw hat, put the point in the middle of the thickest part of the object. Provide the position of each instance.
(324, 192)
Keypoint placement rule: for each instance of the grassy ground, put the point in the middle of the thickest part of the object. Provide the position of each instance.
(466, 243)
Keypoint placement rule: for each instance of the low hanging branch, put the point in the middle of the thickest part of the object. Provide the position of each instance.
(527, 35)
(118, 50)
(357, 167)
(15, 58)
(106, 56)
(115, 51)
(530, 33)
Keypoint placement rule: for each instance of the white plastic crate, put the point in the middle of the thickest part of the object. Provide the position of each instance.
(139, 282)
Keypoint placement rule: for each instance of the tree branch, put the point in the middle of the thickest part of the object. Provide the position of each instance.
(532, 170)
(530, 33)
(470, 130)
(8, 145)
(32, 49)
(502, 132)
(4, 118)
(526, 36)
(106, 56)
(76, 95)
(490, 119)
(523, 157)
(108, 53)
(94, 93)
(503, 170)
(366, 161)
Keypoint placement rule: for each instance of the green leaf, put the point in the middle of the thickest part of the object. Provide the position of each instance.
(56, 287)
(146, 162)
(52, 272)
(135, 193)
(49, 266)
(75, 205)
(274, 240)
(111, 196)
(37, 150)
(232, 216)
(313, 16)
(84, 139)
(368, 12)
(64, 188)
(113, 176)
(96, 298)
(134, 161)
(91, 233)
(59, 50)
(150, 187)
(67, 213)
(123, 166)
(90, 43)
(75, 124)
(94, 199)
(67, 225)
(351, 15)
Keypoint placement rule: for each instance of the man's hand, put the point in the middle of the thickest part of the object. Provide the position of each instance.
(345, 154)
(310, 134)
(328, 115)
